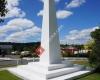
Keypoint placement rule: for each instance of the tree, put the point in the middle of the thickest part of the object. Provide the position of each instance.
(79, 47)
(89, 44)
(3, 9)
(95, 54)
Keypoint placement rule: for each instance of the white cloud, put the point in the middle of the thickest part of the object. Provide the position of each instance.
(40, 13)
(78, 36)
(75, 3)
(13, 9)
(61, 14)
(24, 36)
(18, 30)
(2, 36)
(16, 25)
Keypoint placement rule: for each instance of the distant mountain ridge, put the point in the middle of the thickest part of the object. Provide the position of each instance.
(13, 43)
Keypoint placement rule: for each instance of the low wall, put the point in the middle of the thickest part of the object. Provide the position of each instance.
(12, 62)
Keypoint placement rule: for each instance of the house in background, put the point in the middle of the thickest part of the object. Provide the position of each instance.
(69, 50)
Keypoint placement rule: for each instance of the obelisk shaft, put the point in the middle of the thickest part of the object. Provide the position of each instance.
(49, 39)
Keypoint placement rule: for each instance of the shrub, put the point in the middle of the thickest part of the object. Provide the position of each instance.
(94, 57)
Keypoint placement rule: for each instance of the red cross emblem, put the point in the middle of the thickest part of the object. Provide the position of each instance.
(39, 51)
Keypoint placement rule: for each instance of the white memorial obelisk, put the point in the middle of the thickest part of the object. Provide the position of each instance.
(50, 66)
(50, 39)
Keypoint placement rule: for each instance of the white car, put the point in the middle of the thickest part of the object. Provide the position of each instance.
(15, 52)
(25, 53)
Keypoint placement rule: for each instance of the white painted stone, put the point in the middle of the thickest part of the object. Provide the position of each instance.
(28, 73)
(70, 76)
(50, 40)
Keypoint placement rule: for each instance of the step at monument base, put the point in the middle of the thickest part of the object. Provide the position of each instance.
(34, 71)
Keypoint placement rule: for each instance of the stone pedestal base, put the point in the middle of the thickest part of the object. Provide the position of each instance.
(37, 71)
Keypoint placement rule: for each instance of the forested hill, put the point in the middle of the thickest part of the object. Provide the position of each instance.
(11, 43)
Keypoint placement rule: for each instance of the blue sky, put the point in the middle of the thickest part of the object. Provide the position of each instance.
(76, 19)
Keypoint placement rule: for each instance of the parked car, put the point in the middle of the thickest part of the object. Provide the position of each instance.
(15, 52)
(26, 54)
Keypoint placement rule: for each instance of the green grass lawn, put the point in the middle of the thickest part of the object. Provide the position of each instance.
(95, 76)
(5, 66)
(5, 75)
(82, 62)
